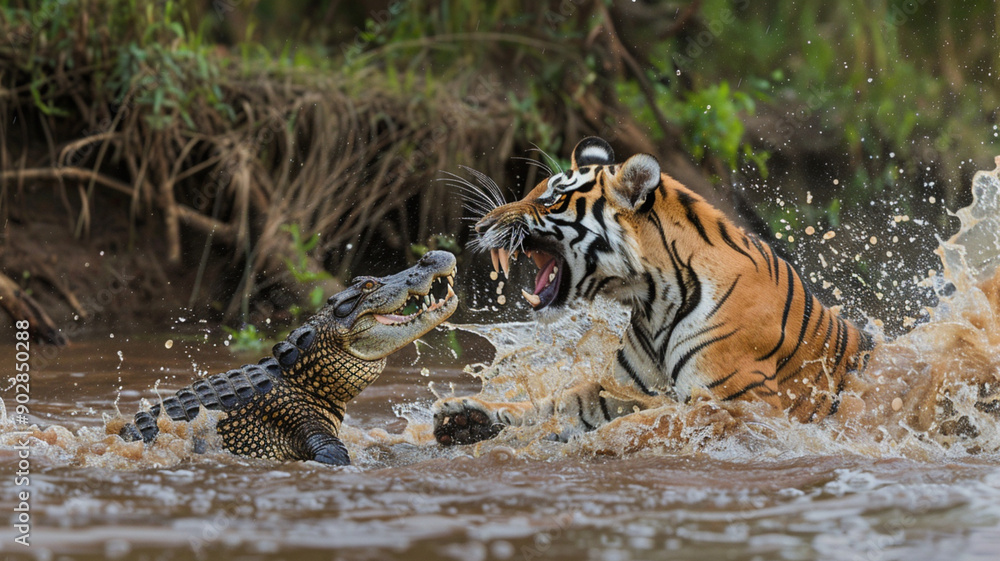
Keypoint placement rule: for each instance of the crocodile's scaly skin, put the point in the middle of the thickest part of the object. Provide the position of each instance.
(290, 406)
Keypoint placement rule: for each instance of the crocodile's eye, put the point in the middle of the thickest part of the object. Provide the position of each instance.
(368, 286)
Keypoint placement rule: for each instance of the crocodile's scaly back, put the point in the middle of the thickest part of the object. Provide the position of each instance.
(290, 406)
(322, 366)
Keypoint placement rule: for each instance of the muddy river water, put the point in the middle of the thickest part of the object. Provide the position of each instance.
(914, 474)
(406, 498)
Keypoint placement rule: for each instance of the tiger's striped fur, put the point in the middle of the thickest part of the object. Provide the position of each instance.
(713, 307)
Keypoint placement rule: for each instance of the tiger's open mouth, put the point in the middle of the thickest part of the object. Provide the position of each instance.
(547, 281)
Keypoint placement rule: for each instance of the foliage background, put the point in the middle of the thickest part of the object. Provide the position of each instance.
(230, 153)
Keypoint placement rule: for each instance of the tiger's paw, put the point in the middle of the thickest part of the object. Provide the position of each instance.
(466, 420)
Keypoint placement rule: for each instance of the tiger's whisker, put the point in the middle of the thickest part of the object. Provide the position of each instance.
(533, 162)
(472, 194)
(553, 161)
(488, 184)
(483, 193)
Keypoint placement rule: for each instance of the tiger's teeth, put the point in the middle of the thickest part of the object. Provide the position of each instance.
(504, 262)
(515, 254)
(532, 299)
(496, 260)
(552, 277)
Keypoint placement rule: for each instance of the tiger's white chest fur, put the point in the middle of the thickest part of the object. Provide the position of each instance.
(660, 352)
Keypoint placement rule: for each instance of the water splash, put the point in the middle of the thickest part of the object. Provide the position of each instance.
(973, 254)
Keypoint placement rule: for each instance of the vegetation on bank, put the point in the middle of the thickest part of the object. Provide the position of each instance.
(281, 140)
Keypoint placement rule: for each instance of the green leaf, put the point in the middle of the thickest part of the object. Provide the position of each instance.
(316, 297)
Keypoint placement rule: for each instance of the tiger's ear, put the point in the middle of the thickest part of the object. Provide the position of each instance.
(593, 150)
(637, 178)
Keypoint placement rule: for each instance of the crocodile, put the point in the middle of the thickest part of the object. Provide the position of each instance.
(290, 406)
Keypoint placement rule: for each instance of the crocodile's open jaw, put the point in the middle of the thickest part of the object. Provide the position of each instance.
(398, 309)
(439, 295)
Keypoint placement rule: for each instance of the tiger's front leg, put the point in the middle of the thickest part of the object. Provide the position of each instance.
(466, 420)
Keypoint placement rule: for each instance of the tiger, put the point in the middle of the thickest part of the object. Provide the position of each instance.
(713, 307)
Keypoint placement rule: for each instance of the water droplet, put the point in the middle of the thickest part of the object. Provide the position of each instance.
(168, 343)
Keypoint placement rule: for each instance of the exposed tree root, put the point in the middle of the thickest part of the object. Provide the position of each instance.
(20, 306)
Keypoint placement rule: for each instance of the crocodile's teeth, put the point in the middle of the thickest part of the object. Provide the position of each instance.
(451, 293)
(451, 281)
(532, 299)
(504, 262)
